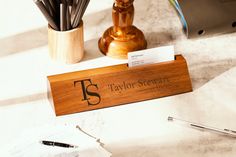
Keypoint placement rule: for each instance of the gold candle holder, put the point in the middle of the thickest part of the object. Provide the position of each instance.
(122, 37)
(66, 46)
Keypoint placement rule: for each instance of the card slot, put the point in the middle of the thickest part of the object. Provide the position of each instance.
(176, 58)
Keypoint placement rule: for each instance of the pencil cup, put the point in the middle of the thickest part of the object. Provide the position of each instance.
(66, 46)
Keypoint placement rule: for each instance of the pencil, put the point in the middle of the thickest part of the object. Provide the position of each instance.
(53, 4)
(63, 1)
(46, 14)
(63, 14)
(68, 17)
(74, 5)
(49, 7)
(83, 11)
(70, 2)
(63, 17)
(78, 11)
(57, 3)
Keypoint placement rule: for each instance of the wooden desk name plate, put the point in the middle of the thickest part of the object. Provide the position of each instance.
(116, 85)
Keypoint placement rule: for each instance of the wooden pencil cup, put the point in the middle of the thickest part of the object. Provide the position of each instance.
(66, 46)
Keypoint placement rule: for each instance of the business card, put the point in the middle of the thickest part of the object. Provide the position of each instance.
(151, 56)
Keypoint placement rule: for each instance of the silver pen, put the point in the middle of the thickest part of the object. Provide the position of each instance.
(227, 132)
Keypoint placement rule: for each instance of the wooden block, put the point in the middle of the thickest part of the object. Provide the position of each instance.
(116, 85)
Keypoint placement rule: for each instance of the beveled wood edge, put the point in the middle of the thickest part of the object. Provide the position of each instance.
(107, 69)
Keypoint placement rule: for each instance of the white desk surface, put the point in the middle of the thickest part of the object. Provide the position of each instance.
(139, 129)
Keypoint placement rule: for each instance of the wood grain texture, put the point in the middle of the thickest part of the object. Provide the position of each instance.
(116, 85)
(66, 46)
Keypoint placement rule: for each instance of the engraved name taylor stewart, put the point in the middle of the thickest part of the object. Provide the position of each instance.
(142, 83)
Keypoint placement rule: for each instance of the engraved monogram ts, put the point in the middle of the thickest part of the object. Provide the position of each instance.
(91, 97)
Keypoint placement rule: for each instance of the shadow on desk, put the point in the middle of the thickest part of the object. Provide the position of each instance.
(157, 39)
(204, 146)
(91, 50)
(206, 71)
(23, 41)
(23, 99)
(38, 37)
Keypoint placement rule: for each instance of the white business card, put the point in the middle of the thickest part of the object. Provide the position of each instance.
(151, 56)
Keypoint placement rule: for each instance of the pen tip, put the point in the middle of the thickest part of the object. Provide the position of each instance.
(170, 118)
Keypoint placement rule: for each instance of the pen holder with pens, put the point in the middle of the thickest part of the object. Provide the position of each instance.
(66, 46)
(65, 28)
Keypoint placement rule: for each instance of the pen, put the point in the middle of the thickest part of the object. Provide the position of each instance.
(46, 14)
(78, 19)
(74, 5)
(78, 11)
(63, 17)
(68, 17)
(227, 132)
(53, 5)
(82, 13)
(49, 7)
(57, 5)
(58, 144)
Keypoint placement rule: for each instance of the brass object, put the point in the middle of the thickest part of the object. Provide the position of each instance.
(122, 37)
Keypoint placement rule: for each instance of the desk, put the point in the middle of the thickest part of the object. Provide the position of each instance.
(139, 129)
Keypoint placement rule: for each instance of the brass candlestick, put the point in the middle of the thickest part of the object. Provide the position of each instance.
(123, 37)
